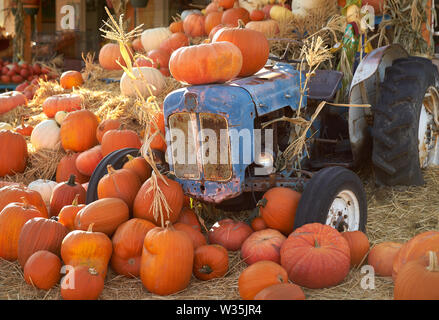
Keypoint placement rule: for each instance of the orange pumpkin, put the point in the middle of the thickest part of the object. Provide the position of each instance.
(67, 102)
(139, 166)
(418, 279)
(68, 214)
(316, 256)
(174, 42)
(83, 283)
(87, 161)
(127, 246)
(67, 166)
(278, 208)
(210, 262)
(14, 193)
(109, 55)
(259, 276)
(193, 25)
(11, 100)
(216, 62)
(158, 142)
(226, 4)
(118, 139)
(257, 15)
(197, 237)
(13, 153)
(381, 257)
(229, 233)
(104, 126)
(253, 45)
(143, 203)
(414, 249)
(43, 270)
(262, 245)
(123, 184)
(258, 224)
(71, 79)
(88, 248)
(281, 291)
(104, 214)
(167, 260)
(215, 30)
(78, 130)
(233, 15)
(212, 20)
(188, 216)
(12, 219)
(40, 234)
(359, 246)
(24, 129)
(176, 26)
(212, 7)
(64, 194)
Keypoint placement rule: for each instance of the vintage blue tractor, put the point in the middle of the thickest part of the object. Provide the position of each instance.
(222, 151)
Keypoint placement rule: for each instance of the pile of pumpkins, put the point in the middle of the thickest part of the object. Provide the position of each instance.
(236, 45)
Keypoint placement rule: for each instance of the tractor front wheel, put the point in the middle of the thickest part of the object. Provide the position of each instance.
(334, 196)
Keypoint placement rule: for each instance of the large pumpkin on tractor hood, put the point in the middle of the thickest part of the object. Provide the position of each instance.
(206, 63)
(253, 45)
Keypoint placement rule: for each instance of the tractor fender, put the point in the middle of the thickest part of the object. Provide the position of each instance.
(364, 86)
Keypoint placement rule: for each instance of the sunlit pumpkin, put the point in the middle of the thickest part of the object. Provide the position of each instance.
(15, 193)
(70, 79)
(210, 262)
(42, 270)
(67, 166)
(13, 153)
(83, 283)
(64, 194)
(253, 45)
(78, 130)
(62, 102)
(109, 55)
(104, 126)
(206, 63)
(167, 260)
(118, 139)
(233, 15)
(193, 25)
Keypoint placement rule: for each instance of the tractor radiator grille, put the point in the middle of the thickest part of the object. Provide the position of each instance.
(200, 144)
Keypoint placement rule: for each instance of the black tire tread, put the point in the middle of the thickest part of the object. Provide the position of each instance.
(321, 190)
(395, 154)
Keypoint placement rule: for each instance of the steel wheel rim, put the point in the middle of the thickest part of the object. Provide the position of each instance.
(347, 206)
(428, 144)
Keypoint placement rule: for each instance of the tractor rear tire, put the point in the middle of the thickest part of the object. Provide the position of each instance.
(395, 154)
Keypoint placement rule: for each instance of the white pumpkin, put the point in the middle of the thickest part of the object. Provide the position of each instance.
(46, 135)
(185, 13)
(5, 126)
(44, 188)
(59, 116)
(144, 76)
(307, 5)
(152, 38)
(250, 5)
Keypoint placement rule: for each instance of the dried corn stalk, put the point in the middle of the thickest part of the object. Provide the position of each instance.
(116, 32)
(404, 26)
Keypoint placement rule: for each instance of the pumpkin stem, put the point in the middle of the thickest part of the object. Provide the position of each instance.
(90, 227)
(110, 169)
(71, 181)
(54, 218)
(433, 265)
(241, 24)
(316, 243)
(206, 269)
(93, 271)
(76, 200)
(25, 202)
(262, 203)
(130, 157)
